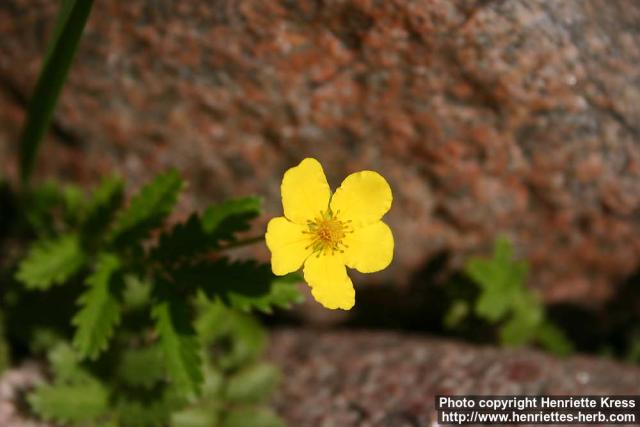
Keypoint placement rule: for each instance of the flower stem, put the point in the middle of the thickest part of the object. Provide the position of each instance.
(245, 242)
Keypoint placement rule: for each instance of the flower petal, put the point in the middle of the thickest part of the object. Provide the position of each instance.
(363, 197)
(369, 248)
(305, 192)
(288, 245)
(330, 284)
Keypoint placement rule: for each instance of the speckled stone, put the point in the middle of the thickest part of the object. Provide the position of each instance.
(378, 379)
(486, 116)
(384, 379)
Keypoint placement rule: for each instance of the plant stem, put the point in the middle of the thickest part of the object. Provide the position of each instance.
(245, 242)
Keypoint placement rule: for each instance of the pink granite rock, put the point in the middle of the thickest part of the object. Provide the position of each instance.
(384, 379)
(379, 379)
(517, 117)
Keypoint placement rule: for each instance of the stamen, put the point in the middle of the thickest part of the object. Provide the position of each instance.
(327, 233)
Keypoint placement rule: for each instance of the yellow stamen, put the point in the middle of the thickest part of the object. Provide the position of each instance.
(327, 233)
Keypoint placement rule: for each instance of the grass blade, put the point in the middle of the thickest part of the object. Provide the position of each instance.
(66, 36)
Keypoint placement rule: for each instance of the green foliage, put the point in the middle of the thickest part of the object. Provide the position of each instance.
(237, 338)
(217, 225)
(552, 338)
(147, 210)
(195, 417)
(141, 367)
(505, 300)
(230, 217)
(103, 205)
(501, 280)
(62, 48)
(260, 417)
(51, 262)
(151, 409)
(252, 384)
(162, 332)
(245, 285)
(100, 311)
(65, 365)
(180, 344)
(70, 403)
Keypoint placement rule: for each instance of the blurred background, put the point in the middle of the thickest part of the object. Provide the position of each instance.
(491, 119)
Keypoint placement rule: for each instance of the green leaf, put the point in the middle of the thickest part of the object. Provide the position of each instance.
(142, 367)
(179, 343)
(65, 365)
(244, 285)
(218, 224)
(500, 278)
(553, 339)
(254, 417)
(70, 403)
(100, 311)
(143, 410)
(66, 37)
(137, 293)
(148, 209)
(51, 262)
(253, 384)
(103, 205)
(184, 240)
(223, 220)
(240, 338)
(74, 203)
(521, 327)
(456, 313)
(39, 204)
(195, 417)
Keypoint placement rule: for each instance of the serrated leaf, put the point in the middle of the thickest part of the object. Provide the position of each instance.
(147, 209)
(142, 367)
(51, 262)
(252, 417)
(526, 315)
(39, 203)
(74, 203)
(242, 337)
(137, 293)
(100, 304)
(103, 205)
(500, 278)
(244, 285)
(180, 344)
(65, 365)
(195, 417)
(223, 220)
(142, 411)
(184, 240)
(553, 339)
(252, 384)
(218, 225)
(70, 403)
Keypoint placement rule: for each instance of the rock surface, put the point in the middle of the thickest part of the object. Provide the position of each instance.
(378, 379)
(381, 379)
(518, 117)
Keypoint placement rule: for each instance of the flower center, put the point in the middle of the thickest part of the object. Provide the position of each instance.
(327, 233)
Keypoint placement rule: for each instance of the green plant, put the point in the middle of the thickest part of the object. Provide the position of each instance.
(141, 324)
(67, 32)
(505, 301)
(160, 333)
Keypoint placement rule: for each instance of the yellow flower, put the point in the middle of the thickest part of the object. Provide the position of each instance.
(328, 233)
